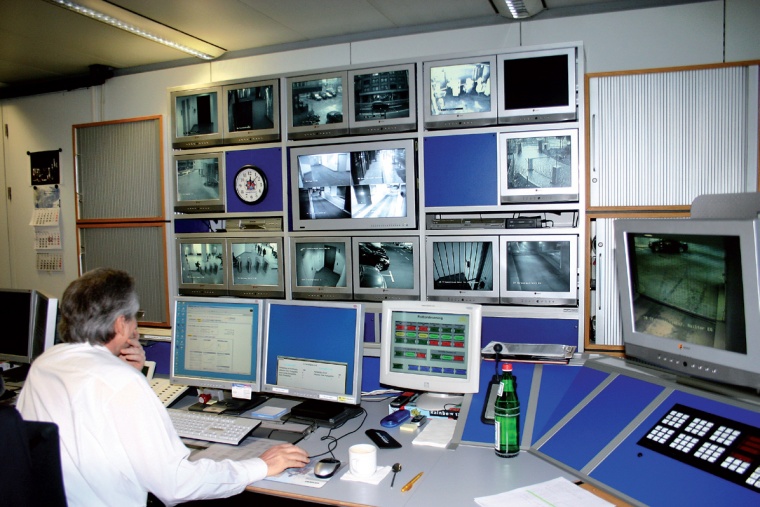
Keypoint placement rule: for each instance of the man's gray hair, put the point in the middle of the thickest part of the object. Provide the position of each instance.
(92, 303)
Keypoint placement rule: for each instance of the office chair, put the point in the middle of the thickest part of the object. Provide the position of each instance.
(30, 462)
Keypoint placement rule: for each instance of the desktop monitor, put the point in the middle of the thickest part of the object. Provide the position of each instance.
(463, 269)
(431, 347)
(199, 183)
(251, 112)
(216, 343)
(29, 320)
(196, 117)
(320, 267)
(382, 100)
(689, 296)
(313, 351)
(537, 86)
(460, 92)
(318, 105)
(356, 186)
(539, 270)
(538, 166)
(386, 268)
(202, 266)
(257, 269)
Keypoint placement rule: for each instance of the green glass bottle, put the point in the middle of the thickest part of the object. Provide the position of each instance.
(507, 415)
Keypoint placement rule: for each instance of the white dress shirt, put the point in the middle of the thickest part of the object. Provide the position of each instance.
(117, 441)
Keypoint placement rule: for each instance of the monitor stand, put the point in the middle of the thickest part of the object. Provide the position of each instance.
(237, 406)
(323, 413)
(433, 402)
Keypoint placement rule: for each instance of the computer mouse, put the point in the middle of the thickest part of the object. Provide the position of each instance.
(326, 468)
(396, 418)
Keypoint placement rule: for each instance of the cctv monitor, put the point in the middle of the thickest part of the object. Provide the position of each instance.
(460, 92)
(251, 112)
(689, 297)
(196, 117)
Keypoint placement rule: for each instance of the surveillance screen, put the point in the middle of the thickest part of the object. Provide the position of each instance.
(320, 264)
(250, 108)
(317, 102)
(386, 265)
(196, 114)
(460, 89)
(202, 263)
(197, 179)
(255, 263)
(539, 162)
(538, 266)
(463, 265)
(381, 95)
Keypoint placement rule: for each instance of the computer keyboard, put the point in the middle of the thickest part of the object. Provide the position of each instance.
(211, 427)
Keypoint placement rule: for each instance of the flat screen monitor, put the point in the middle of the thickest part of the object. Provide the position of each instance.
(463, 269)
(197, 117)
(313, 350)
(321, 267)
(216, 343)
(318, 105)
(202, 265)
(539, 270)
(689, 296)
(29, 320)
(251, 112)
(358, 186)
(386, 268)
(199, 183)
(537, 86)
(257, 269)
(382, 100)
(538, 166)
(432, 347)
(460, 92)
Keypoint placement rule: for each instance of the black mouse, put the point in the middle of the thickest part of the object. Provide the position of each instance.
(326, 468)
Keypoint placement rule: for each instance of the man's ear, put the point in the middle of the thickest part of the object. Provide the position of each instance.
(120, 326)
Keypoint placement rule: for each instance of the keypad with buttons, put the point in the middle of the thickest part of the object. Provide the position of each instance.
(715, 444)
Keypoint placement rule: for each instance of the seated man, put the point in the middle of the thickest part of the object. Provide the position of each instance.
(117, 441)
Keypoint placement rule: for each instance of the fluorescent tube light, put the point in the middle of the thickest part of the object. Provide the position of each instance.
(139, 25)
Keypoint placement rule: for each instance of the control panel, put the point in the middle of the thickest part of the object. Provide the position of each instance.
(714, 444)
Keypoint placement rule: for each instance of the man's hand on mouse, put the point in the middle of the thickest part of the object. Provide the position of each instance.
(282, 456)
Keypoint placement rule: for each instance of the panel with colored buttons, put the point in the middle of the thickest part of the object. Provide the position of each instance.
(714, 444)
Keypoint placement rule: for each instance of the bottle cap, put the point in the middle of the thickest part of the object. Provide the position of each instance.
(506, 367)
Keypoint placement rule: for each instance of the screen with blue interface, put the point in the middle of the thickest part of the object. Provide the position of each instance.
(313, 350)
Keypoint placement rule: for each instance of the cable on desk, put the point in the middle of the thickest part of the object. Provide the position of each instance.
(333, 441)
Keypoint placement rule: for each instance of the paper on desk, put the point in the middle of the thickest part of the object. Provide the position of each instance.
(558, 492)
(248, 448)
(300, 476)
(437, 433)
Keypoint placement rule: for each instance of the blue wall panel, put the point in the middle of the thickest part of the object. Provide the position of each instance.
(461, 170)
(518, 330)
(578, 441)
(267, 159)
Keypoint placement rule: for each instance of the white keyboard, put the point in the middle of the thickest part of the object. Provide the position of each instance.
(211, 427)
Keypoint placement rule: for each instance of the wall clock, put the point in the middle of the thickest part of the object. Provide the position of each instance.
(251, 184)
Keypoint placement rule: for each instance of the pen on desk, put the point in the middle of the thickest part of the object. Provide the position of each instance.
(409, 484)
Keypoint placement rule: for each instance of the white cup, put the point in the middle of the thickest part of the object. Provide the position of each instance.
(362, 460)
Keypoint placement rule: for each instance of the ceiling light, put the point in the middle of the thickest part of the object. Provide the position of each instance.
(139, 25)
(518, 9)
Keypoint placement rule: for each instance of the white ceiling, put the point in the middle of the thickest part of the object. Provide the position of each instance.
(40, 42)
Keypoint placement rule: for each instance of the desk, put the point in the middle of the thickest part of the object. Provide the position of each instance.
(451, 477)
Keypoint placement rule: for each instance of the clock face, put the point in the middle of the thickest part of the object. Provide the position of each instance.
(250, 184)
